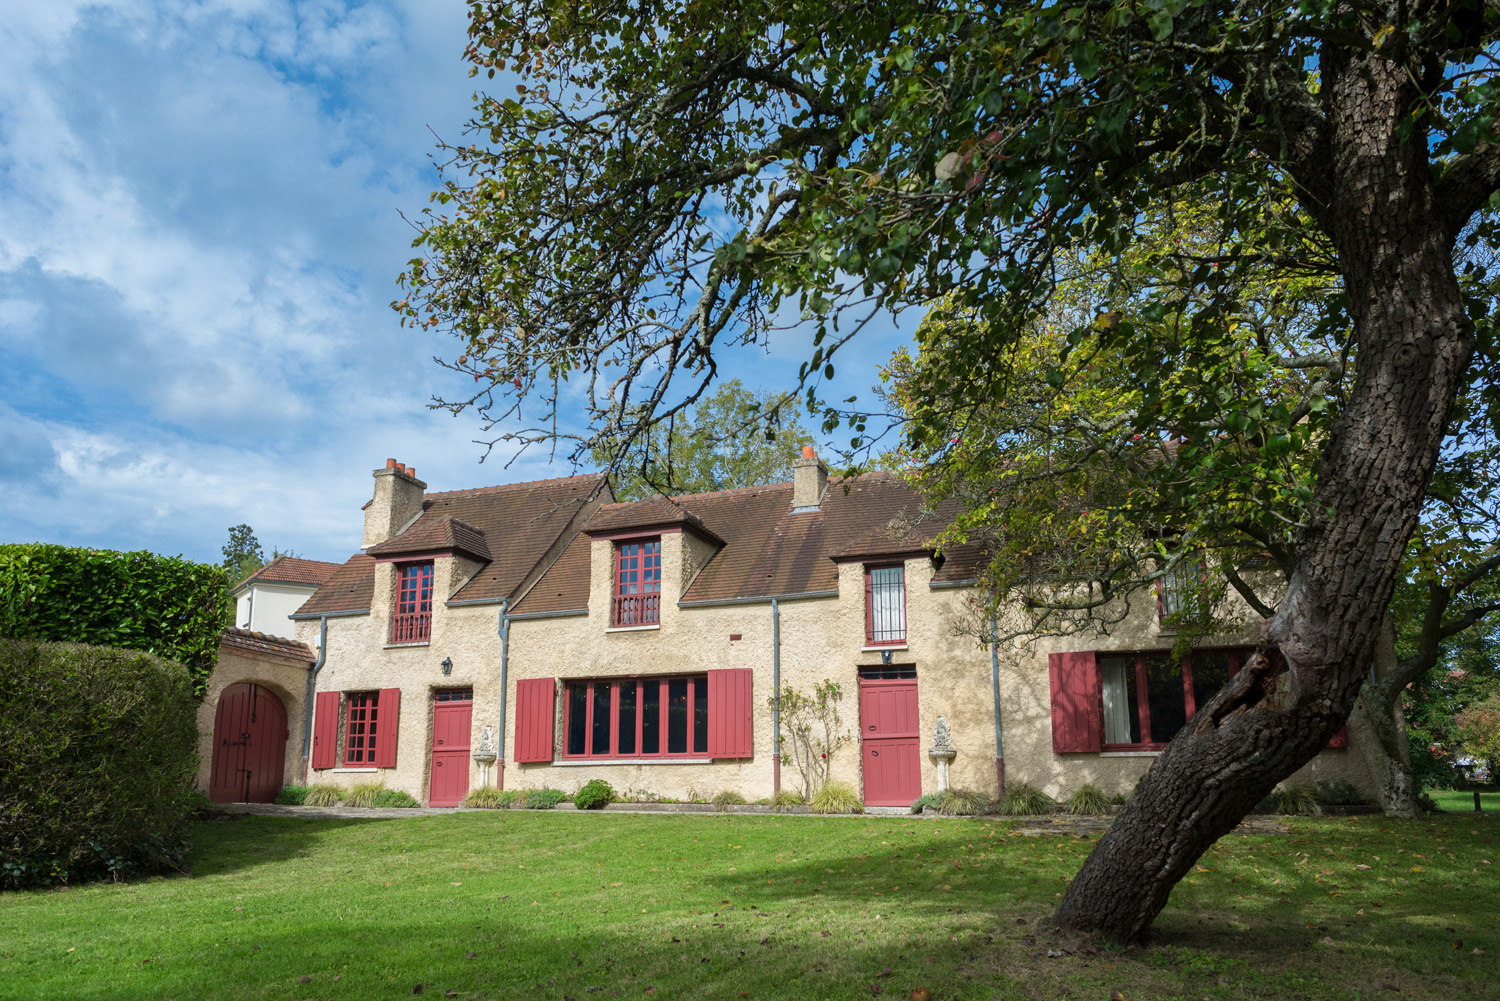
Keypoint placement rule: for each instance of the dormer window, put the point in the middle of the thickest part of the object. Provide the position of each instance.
(411, 616)
(885, 606)
(637, 592)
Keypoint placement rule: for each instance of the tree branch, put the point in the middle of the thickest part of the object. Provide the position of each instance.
(1467, 185)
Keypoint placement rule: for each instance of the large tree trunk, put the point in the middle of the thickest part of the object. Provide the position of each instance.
(1377, 725)
(1377, 201)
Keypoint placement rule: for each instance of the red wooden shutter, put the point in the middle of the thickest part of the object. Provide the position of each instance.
(1340, 739)
(389, 721)
(325, 729)
(536, 711)
(730, 717)
(1075, 702)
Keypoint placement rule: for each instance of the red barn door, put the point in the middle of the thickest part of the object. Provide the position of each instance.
(889, 735)
(452, 718)
(249, 745)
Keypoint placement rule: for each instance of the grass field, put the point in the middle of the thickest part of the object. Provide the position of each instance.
(1463, 802)
(569, 906)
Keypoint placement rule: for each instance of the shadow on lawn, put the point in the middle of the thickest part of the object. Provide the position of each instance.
(227, 843)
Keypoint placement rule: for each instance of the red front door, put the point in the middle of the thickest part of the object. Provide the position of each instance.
(452, 716)
(249, 746)
(889, 736)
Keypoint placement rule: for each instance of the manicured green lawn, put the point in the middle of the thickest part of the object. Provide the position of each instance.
(555, 906)
(1463, 802)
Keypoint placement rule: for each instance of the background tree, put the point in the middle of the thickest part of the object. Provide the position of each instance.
(730, 438)
(242, 553)
(1467, 674)
(670, 182)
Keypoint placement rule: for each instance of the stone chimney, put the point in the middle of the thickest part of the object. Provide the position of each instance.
(398, 499)
(809, 481)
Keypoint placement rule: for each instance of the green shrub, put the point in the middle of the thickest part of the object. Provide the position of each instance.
(595, 795)
(1297, 799)
(787, 798)
(541, 799)
(1339, 792)
(728, 797)
(836, 797)
(966, 803)
(323, 795)
(1025, 800)
(490, 798)
(396, 798)
(162, 605)
(291, 795)
(1089, 799)
(927, 799)
(98, 750)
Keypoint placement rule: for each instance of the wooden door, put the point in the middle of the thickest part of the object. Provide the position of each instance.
(452, 719)
(250, 737)
(890, 735)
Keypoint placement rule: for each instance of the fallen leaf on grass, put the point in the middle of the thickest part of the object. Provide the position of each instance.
(1478, 951)
(1116, 996)
(304, 980)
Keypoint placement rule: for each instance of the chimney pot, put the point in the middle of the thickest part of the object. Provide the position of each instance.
(390, 464)
(411, 471)
(808, 452)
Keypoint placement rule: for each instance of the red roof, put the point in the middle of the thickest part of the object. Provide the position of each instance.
(445, 534)
(293, 570)
(245, 641)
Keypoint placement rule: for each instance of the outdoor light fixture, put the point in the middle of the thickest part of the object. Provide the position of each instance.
(885, 656)
(447, 665)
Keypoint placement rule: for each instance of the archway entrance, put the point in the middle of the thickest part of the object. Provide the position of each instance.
(250, 737)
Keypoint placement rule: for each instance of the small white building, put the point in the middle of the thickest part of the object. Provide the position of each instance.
(264, 601)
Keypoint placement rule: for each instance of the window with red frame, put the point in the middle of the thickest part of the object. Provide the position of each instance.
(411, 618)
(885, 606)
(636, 718)
(637, 597)
(361, 725)
(1148, 697)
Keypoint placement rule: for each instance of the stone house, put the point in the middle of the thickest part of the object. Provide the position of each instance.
(540, 635)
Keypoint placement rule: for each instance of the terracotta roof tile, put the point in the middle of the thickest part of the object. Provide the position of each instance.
(646, 513)
(350, 589)
(565, 585)
(437, 535)
(262, 643)
(293, 570)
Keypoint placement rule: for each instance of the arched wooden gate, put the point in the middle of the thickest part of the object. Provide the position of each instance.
(250, 737)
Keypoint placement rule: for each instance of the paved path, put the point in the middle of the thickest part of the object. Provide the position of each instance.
(1029, 826)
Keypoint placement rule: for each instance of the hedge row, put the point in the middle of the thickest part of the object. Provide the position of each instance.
(162, 605)
(98, 749)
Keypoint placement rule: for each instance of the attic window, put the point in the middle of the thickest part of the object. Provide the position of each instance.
(411, 616)
(885, 606)
(637, 597)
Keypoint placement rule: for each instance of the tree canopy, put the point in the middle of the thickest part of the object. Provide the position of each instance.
(667, 182)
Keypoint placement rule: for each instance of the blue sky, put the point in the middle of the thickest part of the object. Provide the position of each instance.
(200, 232)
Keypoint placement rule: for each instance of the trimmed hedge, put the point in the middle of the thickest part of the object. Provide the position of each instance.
(163, 605)
(98, 749)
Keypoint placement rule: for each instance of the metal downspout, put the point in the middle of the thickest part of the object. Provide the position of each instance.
(995, 682)
(776, 696)
(312, 691)
(504, 630)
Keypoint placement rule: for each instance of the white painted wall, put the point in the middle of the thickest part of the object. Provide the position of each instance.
(264, 608)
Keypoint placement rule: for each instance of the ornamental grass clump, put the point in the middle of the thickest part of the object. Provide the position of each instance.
(1298, 800)
(541, 799)
(1025, 800)
(396, 798)
(490, 798)
(363, 794)
(98, 750)
(836, 797)
(785, 799)
(965, 803)
(1088, 799)
(322, 795)
(727, 797)
(596, 795)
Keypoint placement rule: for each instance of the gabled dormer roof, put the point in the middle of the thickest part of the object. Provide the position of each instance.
(441, 535)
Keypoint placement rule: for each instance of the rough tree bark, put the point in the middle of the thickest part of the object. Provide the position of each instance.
(1373, 191)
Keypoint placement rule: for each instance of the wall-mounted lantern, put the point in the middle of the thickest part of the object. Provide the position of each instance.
(447, 665)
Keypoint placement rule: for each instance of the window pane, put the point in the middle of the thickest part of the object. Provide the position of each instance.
(627, 717)
(1122, 720)
(1168, 705)
(700, 715)
(651, 717)
(1210, 673)
(677, 710)
(887, 605)
(578, 703)
(600, 742)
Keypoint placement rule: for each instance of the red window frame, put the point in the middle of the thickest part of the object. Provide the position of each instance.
(1236, 657)
(886, 638)
(361, 728)
(696, 691)
(411, 614)
(636, 600)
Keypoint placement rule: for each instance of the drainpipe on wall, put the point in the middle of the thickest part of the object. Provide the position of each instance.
(776, 696)
(995, 681)
(312, 691)
(504, 630)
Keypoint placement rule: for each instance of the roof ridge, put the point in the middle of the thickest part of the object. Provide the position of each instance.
(498, 487)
